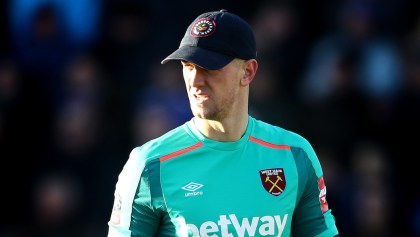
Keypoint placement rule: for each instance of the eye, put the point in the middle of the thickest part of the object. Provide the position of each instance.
(187, 65)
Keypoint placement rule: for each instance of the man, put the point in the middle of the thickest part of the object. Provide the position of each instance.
(223, 173)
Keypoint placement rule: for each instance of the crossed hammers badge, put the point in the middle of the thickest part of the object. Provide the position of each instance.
(273, 180)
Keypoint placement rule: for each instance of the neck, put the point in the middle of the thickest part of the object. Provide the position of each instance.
(228, 130)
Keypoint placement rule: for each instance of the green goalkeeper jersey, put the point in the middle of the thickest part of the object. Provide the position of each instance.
(268, 183)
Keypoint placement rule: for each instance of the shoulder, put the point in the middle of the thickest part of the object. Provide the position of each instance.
(172, 141)
(278, 135)
(302, 150)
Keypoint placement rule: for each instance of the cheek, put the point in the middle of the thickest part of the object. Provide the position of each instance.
(185, 76)
(230, 92)
(186, 73)
(187, 82)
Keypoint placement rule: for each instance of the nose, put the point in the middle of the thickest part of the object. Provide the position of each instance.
(195, 77)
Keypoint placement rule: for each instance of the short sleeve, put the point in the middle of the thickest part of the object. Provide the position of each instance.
(312, 216)
(138, 203)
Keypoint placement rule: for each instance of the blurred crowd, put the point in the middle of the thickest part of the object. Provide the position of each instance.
(81, 84)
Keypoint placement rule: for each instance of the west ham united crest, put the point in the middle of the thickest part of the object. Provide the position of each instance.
(273, 180)
(203, 27)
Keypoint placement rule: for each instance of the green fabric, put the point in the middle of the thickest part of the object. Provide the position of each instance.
(265, 184)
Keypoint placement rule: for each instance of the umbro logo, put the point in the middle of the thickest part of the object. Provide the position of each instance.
(192, 189)
(192, 186)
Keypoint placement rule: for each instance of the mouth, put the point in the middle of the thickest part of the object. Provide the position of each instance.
(200, 98)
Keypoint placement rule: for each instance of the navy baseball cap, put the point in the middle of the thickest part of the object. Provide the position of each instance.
(214, 39)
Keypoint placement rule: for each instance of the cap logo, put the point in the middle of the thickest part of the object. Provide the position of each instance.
(203, 27)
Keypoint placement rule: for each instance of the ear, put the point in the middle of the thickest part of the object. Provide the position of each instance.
(250, 67)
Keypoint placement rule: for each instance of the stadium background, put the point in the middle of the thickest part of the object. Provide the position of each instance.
(81, 84)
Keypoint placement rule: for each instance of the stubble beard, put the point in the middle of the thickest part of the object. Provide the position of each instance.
(212, 112)
(205, 113)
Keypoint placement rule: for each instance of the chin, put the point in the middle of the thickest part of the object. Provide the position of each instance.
(202, 113)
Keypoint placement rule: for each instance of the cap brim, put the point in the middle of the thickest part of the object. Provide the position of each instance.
(203, 58)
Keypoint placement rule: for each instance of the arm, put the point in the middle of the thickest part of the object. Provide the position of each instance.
(138, 206)
(312, 216)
